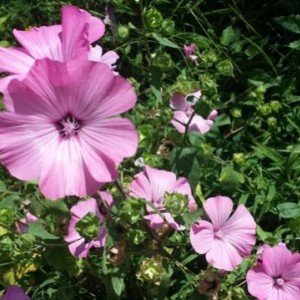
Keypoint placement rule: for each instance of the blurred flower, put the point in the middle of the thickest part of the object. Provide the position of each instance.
(14, 293)
(62, 129)
(70, 40)
(184, 114)
(87, 228)
(166, 193)
(22, 225)
(227, 239)
(189, 51)
(276, 276)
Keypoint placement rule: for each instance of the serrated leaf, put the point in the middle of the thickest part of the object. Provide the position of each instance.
(291, 22)
(164, 41)
(38, 230)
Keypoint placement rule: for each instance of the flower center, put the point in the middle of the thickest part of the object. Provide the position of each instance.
(68, 126)
(218, 233)
(279, 282)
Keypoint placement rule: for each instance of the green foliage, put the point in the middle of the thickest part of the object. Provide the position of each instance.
(247, 68)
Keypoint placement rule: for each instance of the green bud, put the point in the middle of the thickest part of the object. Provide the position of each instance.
(132, 210)
(162, 60)
(137, 236)
(261, 89)
(208, 83)
(88, 227)
(239, 158)
(225, 67)
(207, 149)
(209, 57)
(265, 109)
(176, 203)
(123, 32)
(152, 270)
(154, 18)
(236, 112)
(168, 26)
(272, 122)
(275, 105)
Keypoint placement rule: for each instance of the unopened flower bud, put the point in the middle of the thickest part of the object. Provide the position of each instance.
(176, 203)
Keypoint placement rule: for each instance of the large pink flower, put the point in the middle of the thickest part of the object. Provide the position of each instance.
(70, 40)
(62, 129)
(153, 185)
(14, 293)
(276, 276)
(227, 239)
(184, 112)
(77, 244)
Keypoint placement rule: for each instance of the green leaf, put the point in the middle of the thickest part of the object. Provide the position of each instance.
(164, 41)
(289, 210)
(117, 284)
(295, 45)
(37, 230)
(291, 23)
(228, 36)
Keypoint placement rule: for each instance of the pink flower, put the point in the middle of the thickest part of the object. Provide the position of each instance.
(79, 245)
(276, 276)
(184, 112)
(157, 187)
(227, 239)
(189, 51)
(22, 225)
(14, 293)
(63, 129)
(70, 40)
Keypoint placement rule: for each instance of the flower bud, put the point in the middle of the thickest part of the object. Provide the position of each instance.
(176, 203)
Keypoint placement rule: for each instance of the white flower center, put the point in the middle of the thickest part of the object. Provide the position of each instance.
(279, 282)
(69, 126)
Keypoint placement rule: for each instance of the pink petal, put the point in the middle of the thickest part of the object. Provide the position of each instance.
(178, 102)
(109, 58)
(202, 236)
(115, 138)
(179, 119)
(15, 61)
(75, 33)
(212, 115)
(14, 293)
(222, 255)
(84, 207)
(260, 285)
(239, 230)
(107, 198)
(201, 125)
(80, 248)
(218, 209)
(41, 42)
(161, 181)
(25, 143)
(276, 259)
(100, 241)
(156, 221)
(73, 234)
(140, 187)
(170, 220)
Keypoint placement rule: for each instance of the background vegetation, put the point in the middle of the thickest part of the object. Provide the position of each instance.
(248, 66)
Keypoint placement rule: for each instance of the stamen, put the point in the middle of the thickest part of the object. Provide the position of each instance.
(69, 126)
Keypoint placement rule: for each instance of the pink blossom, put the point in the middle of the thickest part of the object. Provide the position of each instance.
(70, 40)
(184, 114)
(77, 244)
(153, 185)
(63, 128)
(189, 51)
(226, 240)
(22, 225)
(276, 276)
(14, 293)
